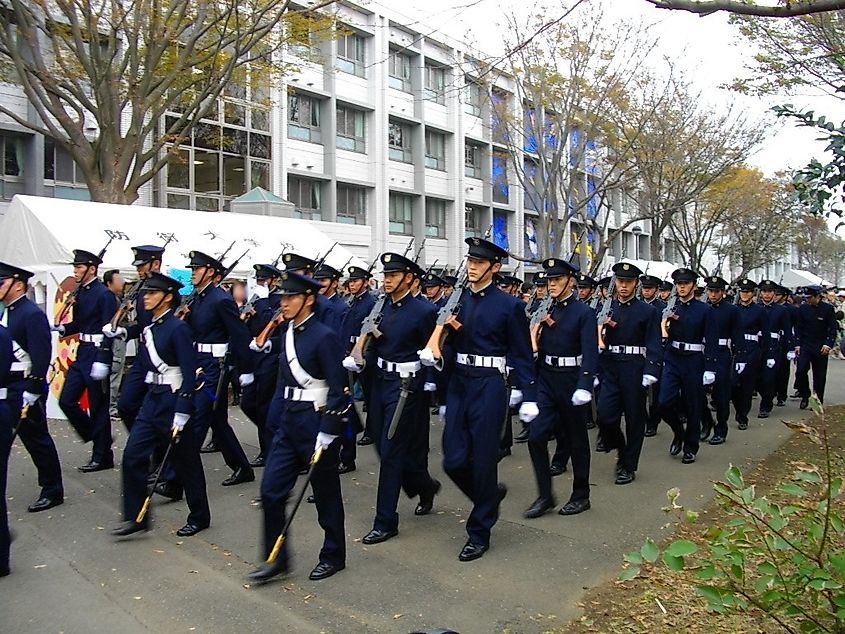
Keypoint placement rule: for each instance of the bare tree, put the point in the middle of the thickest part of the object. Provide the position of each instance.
(786, 9)
(100, 74)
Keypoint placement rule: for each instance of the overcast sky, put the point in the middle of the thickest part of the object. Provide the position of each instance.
(709, 48)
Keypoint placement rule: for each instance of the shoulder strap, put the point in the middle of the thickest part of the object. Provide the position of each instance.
(150, 345)
(299, 374)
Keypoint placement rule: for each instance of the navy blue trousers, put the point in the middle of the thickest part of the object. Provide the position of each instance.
(720, 391)
(744, 383)
(255, 403)
(475, 408)
(7, 423)
(132, 393)
(95, 426)
(39, 443)
(291, 451)
(206, 416)
(811, 358)
(622, 392)
(681, 389)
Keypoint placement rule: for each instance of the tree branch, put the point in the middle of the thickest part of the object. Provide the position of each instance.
(790, 9)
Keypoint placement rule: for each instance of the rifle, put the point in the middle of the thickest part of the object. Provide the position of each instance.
(605, 316)
(640, 283)
(70, 299)
(419, 251)
(321, 261)
(408, 248)
(369, 328)
(226, 252)
(669, 312)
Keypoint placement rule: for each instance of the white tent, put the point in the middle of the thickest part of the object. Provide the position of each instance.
(796, 277)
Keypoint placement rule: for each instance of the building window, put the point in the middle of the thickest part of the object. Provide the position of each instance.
(472, 221)
(304, 118)
(435, 218)
(399, 142)
(472, 98)
(351, 205)
(499, 119)
(435, 150)
(501, 193)
(351, 54)
(401, 214)
(399, 71)
(435, 83)
(531, 193)
(11, 162)
(59, 167)
(306, 195)
(351, 129)
(472, 160)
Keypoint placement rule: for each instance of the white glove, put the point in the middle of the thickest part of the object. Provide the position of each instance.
(323, 440)
(770, 363)
(59, 329)
(441, 414)
(528, 411)
(428, 386)
(179, 421)
(515, 399)
(113, 333)
(29, 398)
(709, 378)
(349, 364)
(266, 348)
(649, 379)
(596, 382)
(246, 379)
(790, 356)
(261, 292)
(99, 371)
(427, 357)
(581, 397)
(739, 367)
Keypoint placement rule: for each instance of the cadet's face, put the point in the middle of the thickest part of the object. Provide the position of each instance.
(355, 286)
(5, 285)
(393, 280)
(626, 288)
(143, 270)
(649, 293)
(541, 291)
(560, 286)
(479, 271)
(432, 291)
(197, 273)
(685, 289)
(746, 296)
(326, 284)
(80, 271)
(152, 299)
(292, 305)
(664, 295)
(715, 295)
(767, 296)
(585, 293)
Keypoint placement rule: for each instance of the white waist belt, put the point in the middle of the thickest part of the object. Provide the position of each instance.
(98, 339)
(627, 349)
(751, 337)
(171, 377)
(315, 395)
(724, 342)
(775, 335)
(3, 392)
(217, 350)
(479, 361)
(689, 347)
(563, 362)
(20, 366)
(409, 368)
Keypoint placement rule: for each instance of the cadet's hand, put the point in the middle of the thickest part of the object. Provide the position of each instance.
(709, 378)
(428, 386)
(179, 421)
(739, 367)
(649, 379)
(515, 399)
(825, 349)
(324, 440)
(113, 333)
(790, 356)
(441, 414)
(29, 398)
(596, 382)
(581, 397)
(770, 363)
(427, 357)
(246, 379)
(349, 364)
(266, 348)
(59, 329)
(99, 371)
(528, 411)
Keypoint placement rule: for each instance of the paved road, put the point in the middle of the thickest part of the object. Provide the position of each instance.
(70, 576)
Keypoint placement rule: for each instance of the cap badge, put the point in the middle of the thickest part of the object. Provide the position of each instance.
(284, 275)
(476, 241)
(287, 257)
(625, 267)
(387, 257)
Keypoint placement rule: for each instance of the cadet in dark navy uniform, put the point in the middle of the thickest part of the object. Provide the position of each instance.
(93, 309)
(567, 359)
(324, 310)
(433, 286)
(406, 326)
(27, 384)
(8, 417)
(787, 354)
(217, 329)
(664, 290)
(688, 365)
(586, 287)
(815, 334)
(780, 336)
(648, 293)
(494, 333)
(166, 354)
(328, 276)
(630, 362)
(749, 350)
(311, 382)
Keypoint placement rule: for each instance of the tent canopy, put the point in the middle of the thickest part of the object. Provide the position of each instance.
(796, 277)
(41, 234)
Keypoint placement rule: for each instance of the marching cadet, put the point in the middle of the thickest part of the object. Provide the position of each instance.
(167, 356)
(541, 287)
(630, 362)
(450, 280)
(664, 289)
(780, 333)
(397, 397)
(815, 333)
(648, 286)
(433, 286)
(361, 303)
(494, 332)
(311, 382)
(8, 416)
(723, 330)
(147, 260)
(329, 277)
(586, 287)
(648, 293)
(26, 385)
(689, 364)
(749, 350)
(217, 327)
(787, 352)
(255, 398)
(324, 310)
(567, 361)
(92, 309)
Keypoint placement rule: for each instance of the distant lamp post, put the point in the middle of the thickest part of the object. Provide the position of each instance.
(636, 231)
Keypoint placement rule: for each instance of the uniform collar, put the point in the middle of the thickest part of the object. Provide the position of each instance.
(398, 302)
(205, 288)
(89, 282)
(11, 305)
(330, 297)
(629, 302)
(304, 324)
(163, 316)
(481, 292)
(565, 301)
